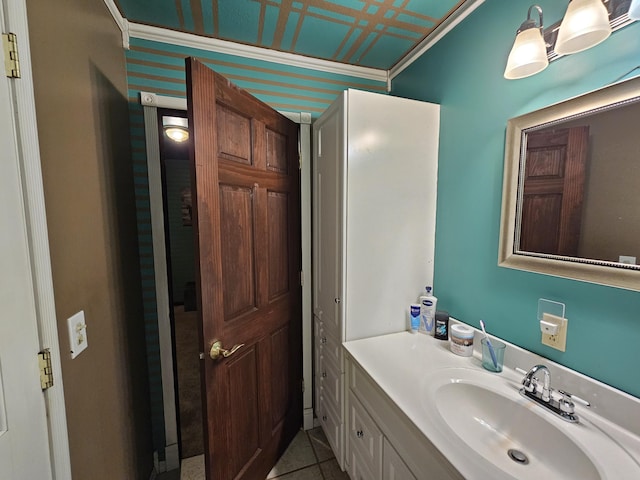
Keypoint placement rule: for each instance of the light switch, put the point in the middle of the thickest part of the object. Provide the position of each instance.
(77, 334)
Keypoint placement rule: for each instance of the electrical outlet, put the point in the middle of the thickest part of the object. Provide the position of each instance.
(559, 340)
(77, 334)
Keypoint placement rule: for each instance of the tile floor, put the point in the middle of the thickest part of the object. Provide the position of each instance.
(309, 457)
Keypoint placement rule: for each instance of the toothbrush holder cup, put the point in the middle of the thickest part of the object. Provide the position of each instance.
(487, 359)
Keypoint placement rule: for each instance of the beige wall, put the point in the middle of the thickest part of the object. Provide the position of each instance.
(81, 104)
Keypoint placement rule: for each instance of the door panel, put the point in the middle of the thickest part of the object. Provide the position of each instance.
(278, 211)
(276, 152)
(279, 366)
(247, 229)
(244, 409)
(238, 267)
(234, 133)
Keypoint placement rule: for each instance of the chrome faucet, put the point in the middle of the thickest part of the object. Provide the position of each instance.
(562, 406)
(530, 382)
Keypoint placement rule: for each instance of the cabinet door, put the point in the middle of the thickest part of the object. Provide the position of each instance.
(392, 465)
(328, 237)
(331, 382)
(364, 442)
(332, 426)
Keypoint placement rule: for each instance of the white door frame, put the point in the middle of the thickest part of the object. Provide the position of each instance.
(15, 21)
(151, 102)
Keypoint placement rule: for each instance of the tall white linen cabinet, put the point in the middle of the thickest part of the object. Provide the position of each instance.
(375, 165)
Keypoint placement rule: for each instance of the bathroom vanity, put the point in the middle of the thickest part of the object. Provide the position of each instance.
(414, 410)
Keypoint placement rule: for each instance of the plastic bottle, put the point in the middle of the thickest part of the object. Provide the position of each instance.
(415, 317)
(427, 311)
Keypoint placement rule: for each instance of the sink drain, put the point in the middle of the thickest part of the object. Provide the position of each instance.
(517, 456)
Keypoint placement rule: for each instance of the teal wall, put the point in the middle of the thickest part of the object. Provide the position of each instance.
(463, 73)
(159, 68)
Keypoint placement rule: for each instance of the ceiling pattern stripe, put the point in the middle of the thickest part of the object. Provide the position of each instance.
(175, 62)
(175, 54)
(370, 33)
(156, 67)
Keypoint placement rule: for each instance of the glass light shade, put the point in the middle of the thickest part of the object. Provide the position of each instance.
(634, 10)
(177, 134)
(176, 128)
(585, 24)
(528, 55)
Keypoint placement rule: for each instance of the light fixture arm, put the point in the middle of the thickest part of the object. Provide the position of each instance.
(529, 22)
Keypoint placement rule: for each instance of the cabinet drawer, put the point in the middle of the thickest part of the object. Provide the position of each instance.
(331, 422)
(330, 381)
(393, 466)
(330, 346)
(364, 440)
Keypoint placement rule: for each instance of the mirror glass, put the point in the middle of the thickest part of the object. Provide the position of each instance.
(570, 199)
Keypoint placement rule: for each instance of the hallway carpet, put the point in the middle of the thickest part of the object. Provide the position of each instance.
(188, 372)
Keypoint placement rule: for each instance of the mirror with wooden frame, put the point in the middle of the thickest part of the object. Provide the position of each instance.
(571, 193)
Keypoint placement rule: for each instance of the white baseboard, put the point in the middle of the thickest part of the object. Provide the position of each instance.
(307, 419)
(172, 457)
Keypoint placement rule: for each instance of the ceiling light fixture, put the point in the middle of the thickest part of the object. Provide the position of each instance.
(528, 55)
(585, 24)
(176, 128)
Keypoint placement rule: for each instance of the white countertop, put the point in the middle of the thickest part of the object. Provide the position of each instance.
(401, 364)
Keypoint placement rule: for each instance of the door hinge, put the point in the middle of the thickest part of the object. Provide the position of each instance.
(46, 372)
(11, 61)
(302, 385)
(302, 278)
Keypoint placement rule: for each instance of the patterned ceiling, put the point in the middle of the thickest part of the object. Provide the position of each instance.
(371, 33)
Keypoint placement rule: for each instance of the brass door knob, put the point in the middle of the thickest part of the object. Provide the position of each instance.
(217, 351)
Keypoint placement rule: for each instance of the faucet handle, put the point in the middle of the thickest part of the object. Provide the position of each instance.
(571, 398)
(565, 403)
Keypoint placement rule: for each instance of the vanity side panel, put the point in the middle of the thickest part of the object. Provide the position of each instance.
(392, 167)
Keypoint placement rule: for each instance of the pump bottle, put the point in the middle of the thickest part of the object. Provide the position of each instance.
(427, 311)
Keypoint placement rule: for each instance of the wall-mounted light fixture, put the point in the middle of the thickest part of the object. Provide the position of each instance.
(528, 55)
(585, 24)
(176, 128)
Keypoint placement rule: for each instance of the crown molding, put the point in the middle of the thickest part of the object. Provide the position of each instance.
(146, 32)
(122, 22)
(430, 40)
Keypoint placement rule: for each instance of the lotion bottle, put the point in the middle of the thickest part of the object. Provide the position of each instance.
(427, 311)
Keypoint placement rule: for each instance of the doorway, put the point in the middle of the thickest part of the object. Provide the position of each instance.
(178, 226)
(151, 103)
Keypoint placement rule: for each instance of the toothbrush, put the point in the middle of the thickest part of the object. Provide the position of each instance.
(491, 351)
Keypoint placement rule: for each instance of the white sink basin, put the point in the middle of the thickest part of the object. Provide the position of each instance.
(505, 431)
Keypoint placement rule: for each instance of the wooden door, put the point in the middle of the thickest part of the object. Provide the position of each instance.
(248, 255)
(554, 190)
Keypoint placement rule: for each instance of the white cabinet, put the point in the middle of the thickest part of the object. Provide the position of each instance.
(393, 467)
(382, 443)
(364, 444)
(375, 177)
